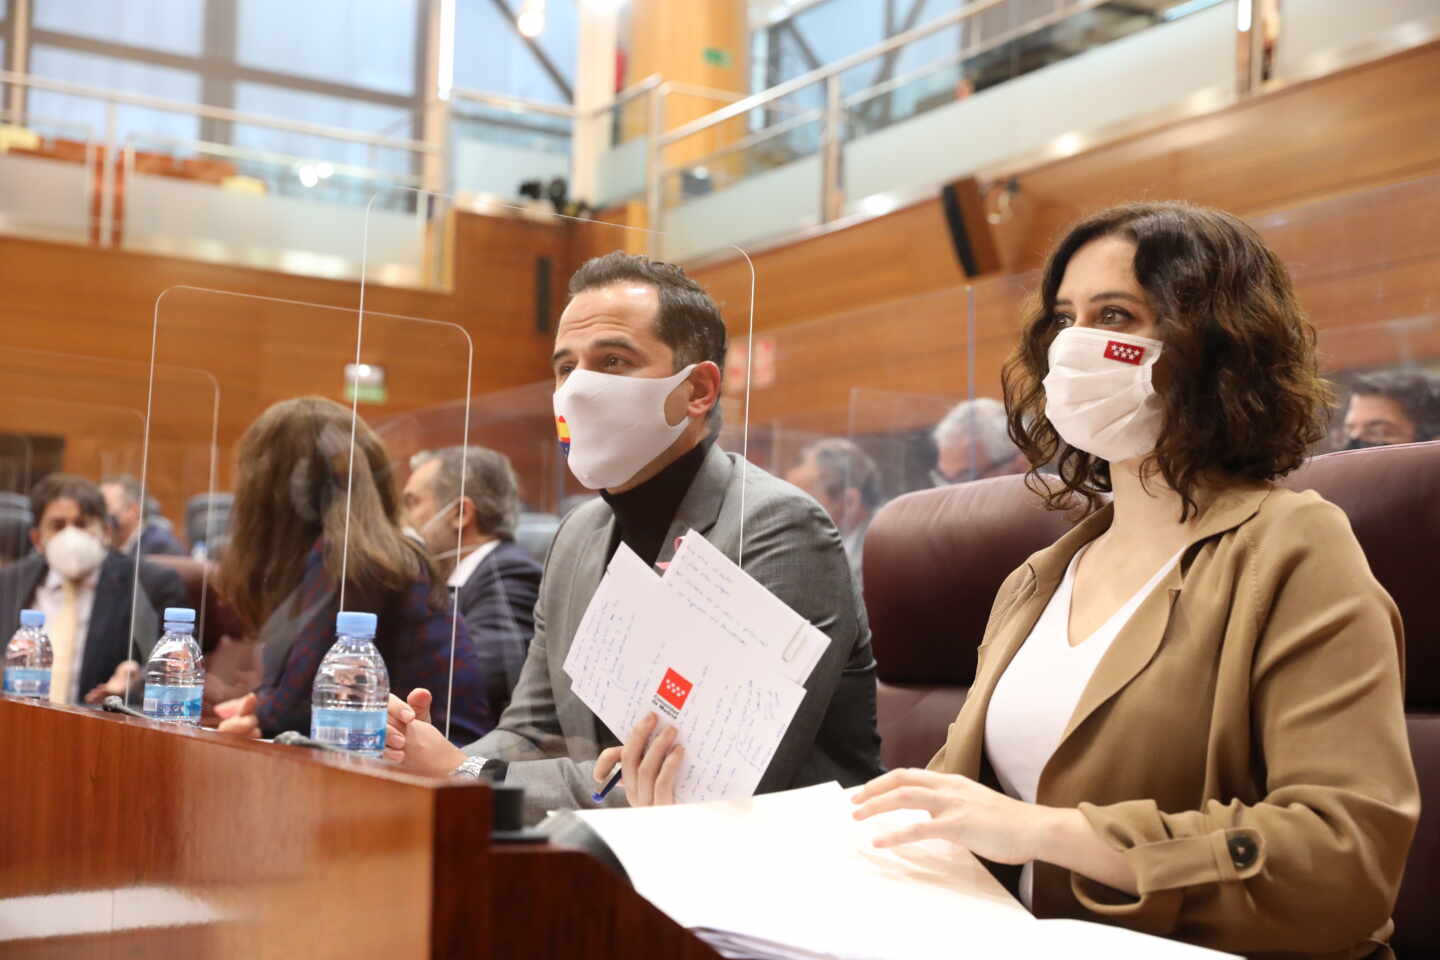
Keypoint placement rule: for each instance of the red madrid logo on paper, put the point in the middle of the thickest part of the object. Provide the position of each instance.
(1124, 352)
(673, 691)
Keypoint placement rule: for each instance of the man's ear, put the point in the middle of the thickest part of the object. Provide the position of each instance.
(850, 503)
(705, 389)
(35, 538)
(464, 513)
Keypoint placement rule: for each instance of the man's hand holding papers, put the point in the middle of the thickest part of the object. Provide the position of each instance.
(649, 766)
(706, 651)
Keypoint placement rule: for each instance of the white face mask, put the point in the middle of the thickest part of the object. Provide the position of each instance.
(1099, 395)
(611, 426)
(421, 534)
(74, 553)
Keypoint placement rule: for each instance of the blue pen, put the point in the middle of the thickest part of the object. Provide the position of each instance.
(605, 791)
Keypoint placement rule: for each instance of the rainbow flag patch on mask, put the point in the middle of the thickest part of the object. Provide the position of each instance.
(562, 430)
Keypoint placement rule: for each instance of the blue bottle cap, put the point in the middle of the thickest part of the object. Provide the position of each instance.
(351, 623)
(32, 618)
(179, 615)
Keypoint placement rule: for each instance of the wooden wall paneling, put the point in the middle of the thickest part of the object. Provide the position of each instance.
(1369, 125)
(917, 345)
(901, 255)
(1374, 124)
(914, 346)
(86, 301)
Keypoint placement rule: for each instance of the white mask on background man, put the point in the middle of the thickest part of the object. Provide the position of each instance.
(74, 553)
(611, 426)
(1099, 395)
(421, 534)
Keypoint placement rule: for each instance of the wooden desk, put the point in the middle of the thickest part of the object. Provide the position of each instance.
(128, 839)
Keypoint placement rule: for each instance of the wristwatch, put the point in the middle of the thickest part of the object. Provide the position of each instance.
(481, 768)
(473, 767)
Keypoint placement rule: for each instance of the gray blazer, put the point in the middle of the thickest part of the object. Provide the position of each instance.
(551, 740)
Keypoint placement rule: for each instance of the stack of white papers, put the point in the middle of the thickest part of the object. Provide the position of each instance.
(708, 650)
(793, 876)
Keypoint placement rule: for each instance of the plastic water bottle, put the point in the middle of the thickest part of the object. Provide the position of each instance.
(175, 675)
(349, 701)
(28, 657)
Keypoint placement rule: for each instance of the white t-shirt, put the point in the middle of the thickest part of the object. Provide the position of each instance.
(1040, 688)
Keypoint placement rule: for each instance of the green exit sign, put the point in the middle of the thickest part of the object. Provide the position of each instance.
(717, 57)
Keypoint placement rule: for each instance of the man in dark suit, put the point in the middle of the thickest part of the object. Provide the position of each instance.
(122, 498)
(494, 580)
(85, 589)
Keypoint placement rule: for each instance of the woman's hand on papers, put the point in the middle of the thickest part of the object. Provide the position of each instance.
(966, 813)
(238, 716)
(412, 741)
(648, 767)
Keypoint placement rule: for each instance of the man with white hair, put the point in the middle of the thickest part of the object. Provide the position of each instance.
(472, 539)
(973, 442)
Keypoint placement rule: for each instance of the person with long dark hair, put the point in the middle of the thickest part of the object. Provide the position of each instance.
(290, 538)
(1187, 714)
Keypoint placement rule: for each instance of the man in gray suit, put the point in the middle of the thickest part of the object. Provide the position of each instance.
(638, 360)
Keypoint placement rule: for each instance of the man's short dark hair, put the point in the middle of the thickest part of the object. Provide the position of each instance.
(1417, 392)
(688, 322)
(67, 486)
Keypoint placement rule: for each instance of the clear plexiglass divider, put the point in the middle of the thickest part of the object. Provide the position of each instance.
(509, 412)
(1366, 271)
(85, 417)
(845, 405)
(267, 486)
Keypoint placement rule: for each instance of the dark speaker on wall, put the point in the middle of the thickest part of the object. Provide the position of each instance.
(970, 232)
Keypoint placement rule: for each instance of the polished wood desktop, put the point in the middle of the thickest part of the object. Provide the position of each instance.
(123, 838)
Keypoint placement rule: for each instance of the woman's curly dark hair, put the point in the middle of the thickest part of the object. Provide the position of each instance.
(1240, 384)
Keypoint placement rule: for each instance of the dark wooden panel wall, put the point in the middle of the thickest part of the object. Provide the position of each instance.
(1369, 125)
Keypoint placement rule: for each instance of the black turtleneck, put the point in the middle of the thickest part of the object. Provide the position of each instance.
(643, 514)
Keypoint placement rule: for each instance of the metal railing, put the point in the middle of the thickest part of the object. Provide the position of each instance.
(639, 113)
(653, 92)
(111, 146)
(836, 104)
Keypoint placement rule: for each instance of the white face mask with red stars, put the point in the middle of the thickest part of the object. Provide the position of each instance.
(1099, 395)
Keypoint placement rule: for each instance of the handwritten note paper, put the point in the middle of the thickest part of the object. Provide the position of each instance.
(619, 641)
(732, 727)
(713, 586)
(642, 648)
